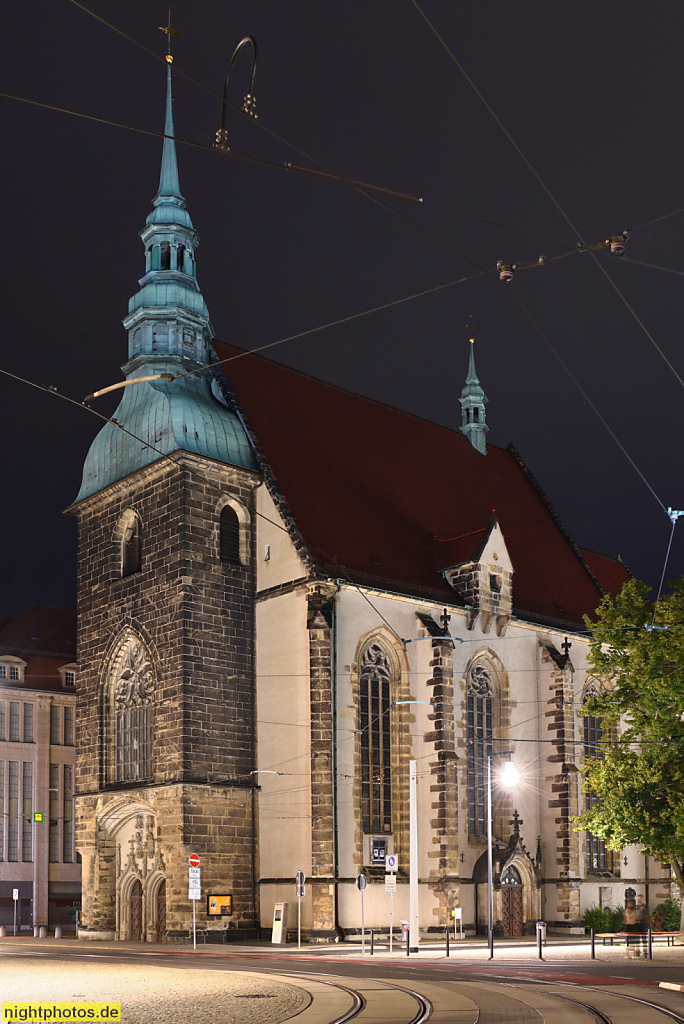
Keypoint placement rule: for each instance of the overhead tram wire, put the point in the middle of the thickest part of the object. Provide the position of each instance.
(548, 192)
(584, 394)
(359, 186)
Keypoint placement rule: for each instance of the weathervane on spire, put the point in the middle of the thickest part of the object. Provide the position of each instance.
(471, 329)
(169, 32)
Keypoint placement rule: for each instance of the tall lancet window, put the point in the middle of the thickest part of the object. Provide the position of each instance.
(376, 777)
(593, 733)
(131, 553)
(479, 714)
(131, 695)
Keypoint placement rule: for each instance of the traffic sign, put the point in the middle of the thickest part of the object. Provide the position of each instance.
(194, 873)
(301, 890)
(390, 883)
(15, 894)
(193, 860)
(392, 862)
(360, 882)
(194, 894)
(300, 878)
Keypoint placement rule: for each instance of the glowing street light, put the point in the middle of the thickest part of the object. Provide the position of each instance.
(508, 778)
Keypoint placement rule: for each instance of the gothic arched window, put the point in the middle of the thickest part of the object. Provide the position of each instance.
(131, 554)
(229, 535)
(479, 720)
(376, 779)
(131, 710)
(593, 733)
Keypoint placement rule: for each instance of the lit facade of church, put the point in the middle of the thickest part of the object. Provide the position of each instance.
(288, 592)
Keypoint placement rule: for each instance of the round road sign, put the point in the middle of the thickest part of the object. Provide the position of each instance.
(193, 860)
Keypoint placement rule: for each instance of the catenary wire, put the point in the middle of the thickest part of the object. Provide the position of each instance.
(550, 194)
(358, 185)
(584, 394)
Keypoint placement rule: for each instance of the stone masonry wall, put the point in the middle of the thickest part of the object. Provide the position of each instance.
(195, 616)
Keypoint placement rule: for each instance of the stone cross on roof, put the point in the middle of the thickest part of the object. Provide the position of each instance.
(516, 821)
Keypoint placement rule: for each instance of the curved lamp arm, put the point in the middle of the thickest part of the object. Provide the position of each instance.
(249, 103)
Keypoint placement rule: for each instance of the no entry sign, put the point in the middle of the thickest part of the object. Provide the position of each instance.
(193, 860)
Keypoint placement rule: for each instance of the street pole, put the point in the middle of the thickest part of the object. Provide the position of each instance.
(413, 859)
(490, 872)
(363, 928)
(391, 911)
(194, 931)
(299, 920)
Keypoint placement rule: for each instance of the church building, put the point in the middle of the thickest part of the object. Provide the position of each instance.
(288, 593)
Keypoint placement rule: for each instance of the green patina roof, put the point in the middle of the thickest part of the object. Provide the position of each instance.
(158, 418)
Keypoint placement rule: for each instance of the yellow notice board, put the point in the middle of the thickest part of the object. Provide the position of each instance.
(220, 906)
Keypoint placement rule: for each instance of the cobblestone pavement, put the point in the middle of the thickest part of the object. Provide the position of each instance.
(157, 995)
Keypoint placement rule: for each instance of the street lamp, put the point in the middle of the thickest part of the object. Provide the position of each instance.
(414, 924)
(508, 779)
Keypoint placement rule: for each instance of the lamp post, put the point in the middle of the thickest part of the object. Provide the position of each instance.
(414, 917)
(508, 779)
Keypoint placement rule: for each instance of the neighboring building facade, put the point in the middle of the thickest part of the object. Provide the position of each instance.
(37, 769)
(288, 592)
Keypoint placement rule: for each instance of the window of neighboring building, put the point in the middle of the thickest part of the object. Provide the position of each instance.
(595, 846)
(68, 726)
(54, 814)
(229, 531)
(3, 671)
(54, 724)
(28, 723)
(14, 721)
(70, 678)
(2, 719)
(2, 808)
(14, 673)
(374, 726)
(68, 825)
(479, 720)
(27, 812)
(13, 812)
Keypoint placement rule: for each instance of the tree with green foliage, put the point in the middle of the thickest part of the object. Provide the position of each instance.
(637, 652)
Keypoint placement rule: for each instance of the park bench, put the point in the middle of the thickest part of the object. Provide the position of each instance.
(621, 937)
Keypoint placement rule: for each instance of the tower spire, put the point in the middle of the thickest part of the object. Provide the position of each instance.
(473, 401)
(169, 184)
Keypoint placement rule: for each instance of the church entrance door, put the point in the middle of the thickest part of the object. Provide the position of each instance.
(511, 903)
(136, 912)
(161, 912)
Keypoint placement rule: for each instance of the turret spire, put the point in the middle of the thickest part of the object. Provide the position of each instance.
(473, 401)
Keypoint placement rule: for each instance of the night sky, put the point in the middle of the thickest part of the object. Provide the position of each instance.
(590, 92)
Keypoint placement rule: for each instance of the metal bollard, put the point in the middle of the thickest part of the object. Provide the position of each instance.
(447, 940)
(408, 942)
(650, 944)
(58, 932)
(539, 944)
(42, 932)
(593, 944)
(372, 941)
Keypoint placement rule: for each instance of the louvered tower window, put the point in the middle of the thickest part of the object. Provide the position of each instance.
(131, 555)
(229, 532)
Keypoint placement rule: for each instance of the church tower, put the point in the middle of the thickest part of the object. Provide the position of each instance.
(473, 400)
(166, 597)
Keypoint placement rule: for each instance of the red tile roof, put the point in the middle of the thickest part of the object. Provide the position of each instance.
(391, 498)
(42, 629)
(610, 572)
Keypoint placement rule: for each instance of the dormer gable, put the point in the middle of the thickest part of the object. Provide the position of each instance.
(484, 581)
